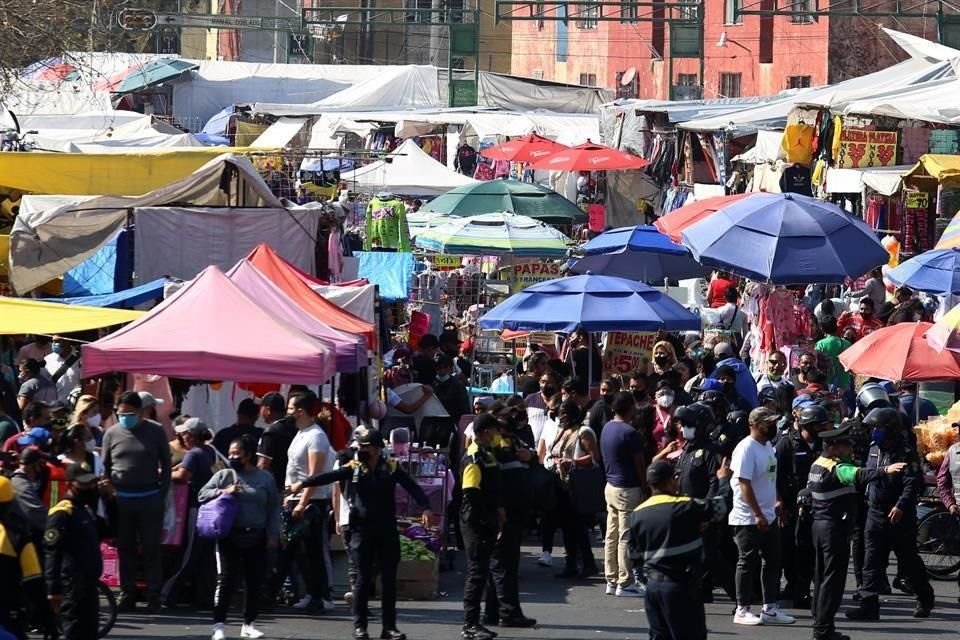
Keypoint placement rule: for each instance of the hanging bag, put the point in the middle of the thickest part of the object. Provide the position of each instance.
(215, 518)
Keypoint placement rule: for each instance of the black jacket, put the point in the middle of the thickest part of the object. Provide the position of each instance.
(72, 544)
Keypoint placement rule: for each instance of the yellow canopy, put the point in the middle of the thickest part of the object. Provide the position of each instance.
(19, 315)
(90, 174)
(941, 168)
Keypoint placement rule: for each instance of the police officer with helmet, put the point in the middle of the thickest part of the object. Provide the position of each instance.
(834, 497)
(665, 536)
(796, 450)
(891, 522)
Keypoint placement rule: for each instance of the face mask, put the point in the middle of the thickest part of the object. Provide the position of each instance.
(57, 347)
(805, 368)
(90, 445)
(129, 421)
(774, 376)
(363, 456)
(878, 436)
(689, 433)
(237, 464)
(88, 497)
(639, 396)
(608, 398)
(94, 420)
(443, 378)
(552, 415)
(661, 359)
(729, 386)
(548, 391)
(666, 400)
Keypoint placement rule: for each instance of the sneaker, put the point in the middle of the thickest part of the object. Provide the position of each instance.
(611, 589)
(304, 602)
(348, 597)
(631, 591)
(327, 604)
(545, 559)
(250, 631)
(218, 633)
(743, 615)
(773, 615)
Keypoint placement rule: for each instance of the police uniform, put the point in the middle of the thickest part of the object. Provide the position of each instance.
(374, 541)
(479, 523)
(665, 536)
(19, 567)
(795, 456)
(73, 566)
(833, 496)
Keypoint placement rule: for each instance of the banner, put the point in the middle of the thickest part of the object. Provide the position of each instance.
(860, 148)
(419, 326)
(531, 272)
(625, 351)
(446, 263)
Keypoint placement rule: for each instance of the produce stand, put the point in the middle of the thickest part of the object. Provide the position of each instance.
(429, 467)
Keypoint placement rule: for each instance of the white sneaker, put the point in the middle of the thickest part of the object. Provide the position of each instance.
(545, 559)
(631, 591)
(327, 604)
(773, 615)
(304, 602)
(250, 631)
(747, 617)
(611, 589)
(218, 633)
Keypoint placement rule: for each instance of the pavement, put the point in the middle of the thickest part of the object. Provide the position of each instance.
(566, 610)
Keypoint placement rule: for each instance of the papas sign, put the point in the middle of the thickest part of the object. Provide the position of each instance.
(530, 272)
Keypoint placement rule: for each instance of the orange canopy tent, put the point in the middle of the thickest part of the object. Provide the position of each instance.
(294, 283)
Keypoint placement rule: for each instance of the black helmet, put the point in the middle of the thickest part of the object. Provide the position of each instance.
(872, 396)
(697, 415)
(767, 394)
(813, 415)
(884, 418)
(712, 396)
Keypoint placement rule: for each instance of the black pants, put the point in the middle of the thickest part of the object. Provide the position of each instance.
(797, 553)
(374, 548)
(576, 536)
(548, 529)
(479, 547)
(503, 588)
(757, 548)
(80, 611)
(856, 542)
(880, 538)
(674, 609)
(719, 570)
(311, 550)
(240, 555)
(140, 522)
(831, 544)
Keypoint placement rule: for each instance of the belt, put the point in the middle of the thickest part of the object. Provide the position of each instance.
(830, 495)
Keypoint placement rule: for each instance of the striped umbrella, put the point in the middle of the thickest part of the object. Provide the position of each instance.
(951, 235)
(499, 233)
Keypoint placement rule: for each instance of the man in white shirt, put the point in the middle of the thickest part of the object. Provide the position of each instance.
(310, 454)
(70, 379)
(776, 369)
(537, 402)
(756, 507)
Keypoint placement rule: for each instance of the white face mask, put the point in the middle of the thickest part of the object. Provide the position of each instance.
(689, 433)
(665, 401)
(90, 445)
(94, 420)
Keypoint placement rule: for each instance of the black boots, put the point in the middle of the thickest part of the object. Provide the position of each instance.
(867, 610)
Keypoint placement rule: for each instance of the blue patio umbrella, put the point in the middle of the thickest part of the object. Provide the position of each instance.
(596, 303)
(786, 238)
(936, 272)
(639, 253)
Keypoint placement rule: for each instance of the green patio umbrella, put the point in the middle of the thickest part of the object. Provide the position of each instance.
(154, 73)
(522, 198)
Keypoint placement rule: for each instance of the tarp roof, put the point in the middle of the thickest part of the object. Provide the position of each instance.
(933, 101)
(408, 171)
(351, 349)
(21, 316)
(210, 330)
(918, 47)
(942, 168)
(126, 299)
(288, 279)
(49, 243)
(397, 87)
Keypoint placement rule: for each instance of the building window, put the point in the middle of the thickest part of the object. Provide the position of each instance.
(588, 79)
(798, 82)
(587, 15)
(421, 15)
(687, 79)
(804, 5)
(730, 85)
(562, 32)
(628, 11)
(730, 15)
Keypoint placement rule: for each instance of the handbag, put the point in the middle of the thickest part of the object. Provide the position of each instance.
(542, 488)
(215, 518)
(586, 489)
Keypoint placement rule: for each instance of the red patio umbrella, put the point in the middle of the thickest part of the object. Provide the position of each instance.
(676, 221)
(528, 148)
(900, 352)
(590, 157)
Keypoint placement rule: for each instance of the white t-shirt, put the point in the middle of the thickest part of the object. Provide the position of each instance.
(307, 441)
(757, 463)
(548, 436)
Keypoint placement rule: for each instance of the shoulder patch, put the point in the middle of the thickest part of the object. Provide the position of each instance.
(52, 536)
(661, 499)
(64, 506)
(699, 453)
(826, 463)
(392, 465)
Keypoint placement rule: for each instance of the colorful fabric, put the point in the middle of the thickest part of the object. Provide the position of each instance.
(387, 225)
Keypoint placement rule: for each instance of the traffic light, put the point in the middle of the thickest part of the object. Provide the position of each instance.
(137, 19)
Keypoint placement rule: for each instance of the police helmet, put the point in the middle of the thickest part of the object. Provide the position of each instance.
(813, 416)
(884, 418)
(872, 396)
(697, 415)
(767, 394)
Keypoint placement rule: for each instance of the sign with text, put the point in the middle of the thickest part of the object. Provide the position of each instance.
(625, 351)
(863, 148)
(445, 262)
(530, 272)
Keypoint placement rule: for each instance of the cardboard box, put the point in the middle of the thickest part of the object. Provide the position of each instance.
(417, 580)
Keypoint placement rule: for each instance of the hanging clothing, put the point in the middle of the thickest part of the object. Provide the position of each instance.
(797, 143)
(796, 179)
(334, 255)
(466, 160)
(387, 225)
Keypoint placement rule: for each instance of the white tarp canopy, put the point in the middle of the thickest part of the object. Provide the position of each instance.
(27, 97)
(409, 171)
(410, 86)
(934, 101)
(47, 244)
(360, 301)
(884, 180)
(917, 47)
(280, 133)
(768, 148)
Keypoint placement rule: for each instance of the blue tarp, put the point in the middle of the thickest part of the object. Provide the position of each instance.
(392, 272)
(746, 385)
(122, 299)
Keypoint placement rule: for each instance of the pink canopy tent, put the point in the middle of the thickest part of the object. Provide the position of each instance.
(351, 349)
(210, 330)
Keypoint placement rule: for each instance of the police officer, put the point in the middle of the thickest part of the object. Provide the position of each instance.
(19, 566)
(481, 517)
(665, 535)
(374, 541)
(831, 487)
(72, 558)
(891, 517)
(796, 451)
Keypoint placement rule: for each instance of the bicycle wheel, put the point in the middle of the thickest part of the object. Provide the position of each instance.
(938, 542)
(108, 610)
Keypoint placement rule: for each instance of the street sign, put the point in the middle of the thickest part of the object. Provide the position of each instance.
(210, 21)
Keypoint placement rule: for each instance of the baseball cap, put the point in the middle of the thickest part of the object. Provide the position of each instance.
(369, 437)
(37, 437)
(764, 415)
(195, 426)
(659, 472)
(802, 402)
(79, 472)
(723, 350)
(148, 399)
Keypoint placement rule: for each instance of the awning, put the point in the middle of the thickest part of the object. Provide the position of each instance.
(123, 299)
(20, 316)
(280, 133)
(942, 168)
(884, 180)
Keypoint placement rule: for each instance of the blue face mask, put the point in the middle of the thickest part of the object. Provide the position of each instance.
(129, 421)
(878, 436)
(56, 347)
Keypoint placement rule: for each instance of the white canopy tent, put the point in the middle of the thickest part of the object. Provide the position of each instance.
(408, 171)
